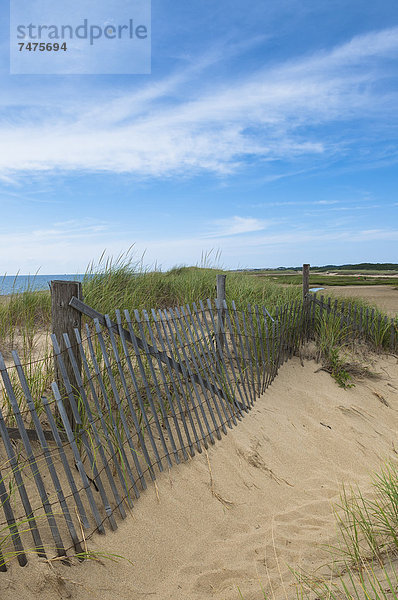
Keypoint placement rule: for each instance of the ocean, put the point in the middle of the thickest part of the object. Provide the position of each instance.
(18, 283)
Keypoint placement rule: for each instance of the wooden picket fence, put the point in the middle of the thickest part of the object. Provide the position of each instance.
(133, 396)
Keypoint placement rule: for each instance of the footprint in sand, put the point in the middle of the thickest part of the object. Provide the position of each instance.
(217, 581)
(254, 459)
(319, 511)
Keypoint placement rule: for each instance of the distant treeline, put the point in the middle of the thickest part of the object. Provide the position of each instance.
(360, 267)
(353, 267)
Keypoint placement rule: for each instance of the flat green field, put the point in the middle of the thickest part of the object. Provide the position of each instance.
(321, 279)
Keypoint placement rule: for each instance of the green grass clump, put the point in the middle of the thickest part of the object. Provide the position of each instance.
(331, 338)
(22, 316)
(338, 370)
(127, 283)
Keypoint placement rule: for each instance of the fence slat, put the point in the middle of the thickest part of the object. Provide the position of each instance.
(93, 426)
(281, 337)
(289, 328)
(239, 381)
(175, 384)
(148, 392)
(225, 355)
(34, 467)
(278, 338)
(268, 369)
(243, 352)
(288, 331)
(65, 463)
(206, 353)
(81, 432)
(132, 411)
(220, 311)
(254, 347)
(3, 565)
(199, 368)
(113, 452)
(170, 313)
(203, 364)
(12, 525)
(78, 459)
(180, 378)
(392, 335)
(220, 371)
(262, 345)
(31, 520)
(157, 390)
(187, 374)
(249, 355)
(166, 388)
(314, 299)
(47, 454)
(116, 397)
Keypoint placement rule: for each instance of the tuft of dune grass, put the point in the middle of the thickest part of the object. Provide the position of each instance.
(128, 283)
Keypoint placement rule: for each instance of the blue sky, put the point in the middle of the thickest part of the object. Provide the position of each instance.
(266, 130)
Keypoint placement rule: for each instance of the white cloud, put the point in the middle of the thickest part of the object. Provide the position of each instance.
(237, 226)
(326, 202)
(159, 132)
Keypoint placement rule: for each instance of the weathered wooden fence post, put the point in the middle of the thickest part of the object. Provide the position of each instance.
(306, 298)
(64, 320)
(221, 312)
(306, 281)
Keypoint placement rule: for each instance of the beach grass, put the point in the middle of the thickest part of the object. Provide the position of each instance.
(125, 282)
(22, 316)
(364, 561)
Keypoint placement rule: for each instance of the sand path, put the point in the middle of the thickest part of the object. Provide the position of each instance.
(264, 503)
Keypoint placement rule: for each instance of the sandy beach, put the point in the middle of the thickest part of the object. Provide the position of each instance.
(190, 395)
(260, 501)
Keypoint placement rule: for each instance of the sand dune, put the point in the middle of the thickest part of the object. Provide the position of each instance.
(258, 502)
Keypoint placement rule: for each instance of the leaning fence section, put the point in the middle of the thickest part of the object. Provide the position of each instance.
(136, 393)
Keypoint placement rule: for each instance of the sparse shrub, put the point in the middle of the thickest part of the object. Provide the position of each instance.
(337, 369)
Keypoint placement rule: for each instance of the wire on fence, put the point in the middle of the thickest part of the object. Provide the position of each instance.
(152, 388)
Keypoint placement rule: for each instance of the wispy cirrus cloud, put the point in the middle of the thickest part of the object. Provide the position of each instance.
(236, 226)
(65, 246)
(69, 246)
(58, 232)
(163, 130)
